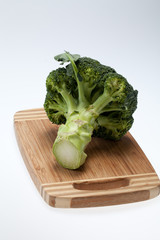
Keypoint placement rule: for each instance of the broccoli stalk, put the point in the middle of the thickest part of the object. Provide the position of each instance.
(73, 137)
(87, 99)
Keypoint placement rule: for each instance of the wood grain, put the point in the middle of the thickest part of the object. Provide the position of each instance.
(114, 172)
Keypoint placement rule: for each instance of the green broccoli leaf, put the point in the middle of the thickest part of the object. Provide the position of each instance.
(63, 58)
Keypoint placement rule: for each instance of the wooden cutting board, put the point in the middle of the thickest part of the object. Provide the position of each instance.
(114, 172)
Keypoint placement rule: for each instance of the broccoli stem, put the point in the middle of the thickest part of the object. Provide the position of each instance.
(73, 137)
(101, 102)
(81, 96)
(69, 101)
(111, 109)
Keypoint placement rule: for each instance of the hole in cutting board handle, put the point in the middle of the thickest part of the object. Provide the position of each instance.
(102, 184)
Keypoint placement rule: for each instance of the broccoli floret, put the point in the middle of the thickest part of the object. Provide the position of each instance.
(116, 118)
(60, 101)
(87, 99)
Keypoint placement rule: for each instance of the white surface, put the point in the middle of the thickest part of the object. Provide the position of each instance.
(122, 34)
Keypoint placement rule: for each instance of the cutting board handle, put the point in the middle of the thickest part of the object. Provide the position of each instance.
(102, 191)
(102, 184)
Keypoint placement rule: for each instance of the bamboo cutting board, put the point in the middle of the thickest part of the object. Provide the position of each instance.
(114, 172)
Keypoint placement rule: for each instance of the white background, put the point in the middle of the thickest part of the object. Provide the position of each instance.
(122, 34)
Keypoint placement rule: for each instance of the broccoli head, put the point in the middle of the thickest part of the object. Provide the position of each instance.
(87, 99)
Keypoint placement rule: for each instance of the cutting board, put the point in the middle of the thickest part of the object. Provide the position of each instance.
(114, 172)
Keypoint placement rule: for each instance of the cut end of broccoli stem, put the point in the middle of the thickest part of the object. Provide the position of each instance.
(67, 155)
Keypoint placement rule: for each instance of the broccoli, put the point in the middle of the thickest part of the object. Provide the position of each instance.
(86, 99)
